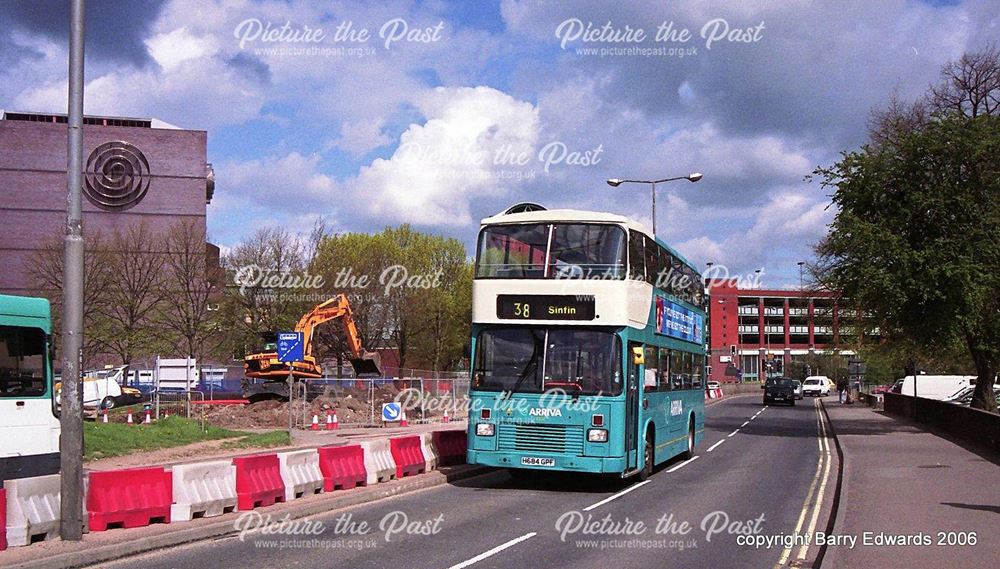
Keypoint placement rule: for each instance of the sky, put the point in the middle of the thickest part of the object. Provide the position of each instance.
(441, 113)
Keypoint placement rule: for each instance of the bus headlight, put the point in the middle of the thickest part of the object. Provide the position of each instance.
(484, 429)
(597, 436)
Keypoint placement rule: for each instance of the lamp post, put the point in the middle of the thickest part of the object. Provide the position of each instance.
(801, 264)
(615, 182)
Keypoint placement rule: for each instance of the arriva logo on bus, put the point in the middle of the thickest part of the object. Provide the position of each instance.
(543, 412)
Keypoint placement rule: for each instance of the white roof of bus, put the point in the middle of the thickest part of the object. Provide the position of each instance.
(565, 215)
(573, 215)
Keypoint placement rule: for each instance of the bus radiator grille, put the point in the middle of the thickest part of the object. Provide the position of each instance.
(561, 439)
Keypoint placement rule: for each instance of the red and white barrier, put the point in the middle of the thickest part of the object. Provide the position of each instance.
(379, 464)
(204, 489)
(258, 481)
(134, 497)
(407, 455)
(427, 448)
(450, 445)
(32, 509)
(342, 467)
(300, 473)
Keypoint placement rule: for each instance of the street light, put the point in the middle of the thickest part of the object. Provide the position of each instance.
(615, 182)
(801, 263)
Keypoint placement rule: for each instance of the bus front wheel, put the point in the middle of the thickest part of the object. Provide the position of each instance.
(689, 453)
(647, 454)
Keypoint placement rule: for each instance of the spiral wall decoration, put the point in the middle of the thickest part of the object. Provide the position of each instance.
(116, 176)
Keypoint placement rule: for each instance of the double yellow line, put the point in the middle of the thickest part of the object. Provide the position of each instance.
(814, 498)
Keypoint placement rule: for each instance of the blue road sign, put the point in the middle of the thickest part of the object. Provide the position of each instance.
(290, 346)
(391, 411)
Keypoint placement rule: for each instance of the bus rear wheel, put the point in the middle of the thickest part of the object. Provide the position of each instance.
(647, 454)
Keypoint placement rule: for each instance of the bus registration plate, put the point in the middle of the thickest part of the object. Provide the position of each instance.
(534, 461)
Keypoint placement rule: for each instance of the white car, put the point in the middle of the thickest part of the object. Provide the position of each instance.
(815, 386)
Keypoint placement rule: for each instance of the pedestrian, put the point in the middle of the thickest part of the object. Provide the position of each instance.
(842, 389)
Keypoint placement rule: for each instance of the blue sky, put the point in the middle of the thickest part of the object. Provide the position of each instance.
(427, 129)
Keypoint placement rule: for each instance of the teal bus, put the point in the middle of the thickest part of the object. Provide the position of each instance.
(588, 345)
(29, 425)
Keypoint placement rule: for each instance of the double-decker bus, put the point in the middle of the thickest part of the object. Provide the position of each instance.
(588, 347)
(29, 427)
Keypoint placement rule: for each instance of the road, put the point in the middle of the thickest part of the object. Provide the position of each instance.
(759, 470)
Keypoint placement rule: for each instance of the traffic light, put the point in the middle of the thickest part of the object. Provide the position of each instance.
(732, 351)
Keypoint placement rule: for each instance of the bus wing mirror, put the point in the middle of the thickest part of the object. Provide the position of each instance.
(637, 357)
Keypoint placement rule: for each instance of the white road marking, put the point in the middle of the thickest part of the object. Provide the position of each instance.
(733, 433)
(711, 448)
(683, 464)
(786, 552)
(616, 496)
(745, 424)
(824, 452)
(494, 551)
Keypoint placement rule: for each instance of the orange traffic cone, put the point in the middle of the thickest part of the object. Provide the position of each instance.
(315, 424)
(445, 419)
(402, 420)
(336, 423)
(329, 422)
(129, 419)
(105, 419)
(148, 418)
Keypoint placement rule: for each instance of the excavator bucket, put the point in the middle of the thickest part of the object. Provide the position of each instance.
(368, 365)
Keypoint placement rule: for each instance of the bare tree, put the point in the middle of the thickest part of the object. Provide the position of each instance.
(46, 272)
(188, 287)
(970, 86)
(134, 292)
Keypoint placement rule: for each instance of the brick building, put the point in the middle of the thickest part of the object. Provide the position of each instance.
(136, 171)
(750, 328)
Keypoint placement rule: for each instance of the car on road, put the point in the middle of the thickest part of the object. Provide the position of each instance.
(798, 388)
(779, 389)
(816, 386)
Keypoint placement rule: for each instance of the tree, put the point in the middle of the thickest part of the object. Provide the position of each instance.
(250, 307)
(46, 272)
(409, 291)
(916, 240)
(188, 286)
(133, 292)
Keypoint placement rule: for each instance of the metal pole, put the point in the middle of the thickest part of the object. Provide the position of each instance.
(71, 415)
(291, 398)
(653, 184)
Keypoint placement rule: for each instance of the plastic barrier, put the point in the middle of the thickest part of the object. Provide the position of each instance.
(258, 481)
(203, 490)
(32, 510)
(300, 473)
(342, 467)
(427, 448)
(134, 497)
(379, 464)
(407, 456)
(3, 519)
(450, 446)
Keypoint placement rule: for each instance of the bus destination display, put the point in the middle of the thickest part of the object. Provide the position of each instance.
(545, 307)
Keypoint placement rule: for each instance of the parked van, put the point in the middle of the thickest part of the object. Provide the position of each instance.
(939, 387)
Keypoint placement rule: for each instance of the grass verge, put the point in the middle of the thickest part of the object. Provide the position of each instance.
(261, 440)
(115, 439)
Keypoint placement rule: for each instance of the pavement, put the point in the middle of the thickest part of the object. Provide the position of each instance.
(901, 480)
(758, 469)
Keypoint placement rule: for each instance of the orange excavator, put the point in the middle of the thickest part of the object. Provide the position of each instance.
(266, 377)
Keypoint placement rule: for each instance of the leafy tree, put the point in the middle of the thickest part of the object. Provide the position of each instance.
(916, 240)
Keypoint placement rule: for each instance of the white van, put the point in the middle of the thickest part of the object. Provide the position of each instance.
(939, 387)
(816, 385)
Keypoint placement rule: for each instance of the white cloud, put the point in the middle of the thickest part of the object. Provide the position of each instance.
(178, 46)
(292, 182)
(445, 163)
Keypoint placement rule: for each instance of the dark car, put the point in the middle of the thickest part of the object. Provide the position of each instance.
(779, 389)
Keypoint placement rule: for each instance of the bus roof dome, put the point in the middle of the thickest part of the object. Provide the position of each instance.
(522, 207)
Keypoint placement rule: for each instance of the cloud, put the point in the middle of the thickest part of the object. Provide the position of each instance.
(114, 29)
(444, 164)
